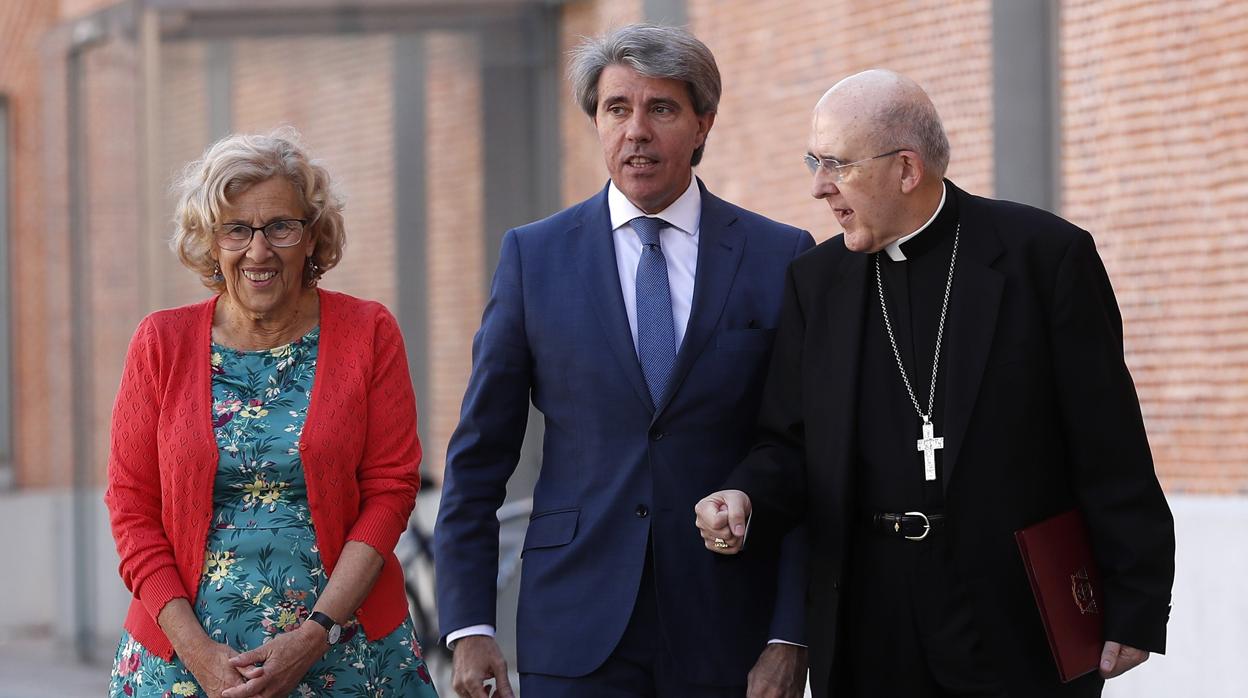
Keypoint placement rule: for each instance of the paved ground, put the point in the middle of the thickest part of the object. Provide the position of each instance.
(40, 671)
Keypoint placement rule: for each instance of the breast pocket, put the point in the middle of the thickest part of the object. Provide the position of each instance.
(746, 339)
(551, 529)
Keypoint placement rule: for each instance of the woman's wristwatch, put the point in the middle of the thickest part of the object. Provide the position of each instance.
(331, 627)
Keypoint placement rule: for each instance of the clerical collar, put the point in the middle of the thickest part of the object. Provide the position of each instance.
(684, 214)
(894, 250)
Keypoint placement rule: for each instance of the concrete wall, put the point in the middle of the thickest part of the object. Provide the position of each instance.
(39, 553)
(1207, 631)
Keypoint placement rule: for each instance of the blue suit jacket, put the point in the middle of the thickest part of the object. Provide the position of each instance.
(617, 471)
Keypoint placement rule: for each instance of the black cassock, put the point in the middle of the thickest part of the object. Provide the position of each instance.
(896, 584)
(1038, 415)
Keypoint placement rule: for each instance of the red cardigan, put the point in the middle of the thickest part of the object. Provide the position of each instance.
(359, 448)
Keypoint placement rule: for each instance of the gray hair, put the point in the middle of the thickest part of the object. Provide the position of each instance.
(914, 124)
(232, 165)
(653, 51)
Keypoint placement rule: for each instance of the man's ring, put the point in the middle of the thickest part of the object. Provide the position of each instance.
(721, 543)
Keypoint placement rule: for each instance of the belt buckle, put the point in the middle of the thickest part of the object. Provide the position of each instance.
(927, 525)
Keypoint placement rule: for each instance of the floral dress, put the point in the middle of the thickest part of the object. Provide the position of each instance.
(262, 571)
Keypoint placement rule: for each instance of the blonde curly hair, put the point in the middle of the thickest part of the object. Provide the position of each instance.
(234, 164)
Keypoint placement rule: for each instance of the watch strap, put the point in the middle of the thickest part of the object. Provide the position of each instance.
(328, 623)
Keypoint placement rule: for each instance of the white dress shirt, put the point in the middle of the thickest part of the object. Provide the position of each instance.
(894, 248)
(679, 240)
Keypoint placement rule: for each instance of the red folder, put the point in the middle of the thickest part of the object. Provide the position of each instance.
(1067, 585)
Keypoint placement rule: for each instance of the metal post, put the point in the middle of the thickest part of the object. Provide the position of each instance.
(519, 89)
(411, 212)
(6, 382)
(80, 363)
(519, 93)
(1025, 101)
(670, 12)
(219, 66)
(151, 231)
(87, 33)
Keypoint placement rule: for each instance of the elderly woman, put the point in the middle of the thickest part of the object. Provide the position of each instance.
(264, 457)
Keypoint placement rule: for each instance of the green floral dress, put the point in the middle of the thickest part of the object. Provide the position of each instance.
(262, 570)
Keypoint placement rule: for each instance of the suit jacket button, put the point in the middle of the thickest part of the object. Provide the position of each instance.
(642, 511)
(657, 435)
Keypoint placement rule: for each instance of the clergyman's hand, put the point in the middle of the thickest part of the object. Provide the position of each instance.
(478, 658)
(780, 672)
(1117, 659)
(721, 518)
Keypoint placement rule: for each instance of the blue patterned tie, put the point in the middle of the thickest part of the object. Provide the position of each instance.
(656, 331)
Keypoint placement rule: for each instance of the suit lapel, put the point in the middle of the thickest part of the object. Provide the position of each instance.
(976, 298)
(596, 264)
(720, 248)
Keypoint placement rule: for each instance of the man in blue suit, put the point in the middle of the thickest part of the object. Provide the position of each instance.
(639, 323)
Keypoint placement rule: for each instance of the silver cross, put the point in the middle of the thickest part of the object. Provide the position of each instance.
(929, 444)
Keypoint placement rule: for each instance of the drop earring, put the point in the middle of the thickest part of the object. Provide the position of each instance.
(311, 273)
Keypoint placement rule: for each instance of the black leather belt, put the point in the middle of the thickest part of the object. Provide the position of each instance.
(912, 525)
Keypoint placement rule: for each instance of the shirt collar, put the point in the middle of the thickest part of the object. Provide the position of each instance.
(684, 214)
(894, 248)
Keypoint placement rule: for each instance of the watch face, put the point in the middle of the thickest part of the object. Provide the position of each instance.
(334, 633)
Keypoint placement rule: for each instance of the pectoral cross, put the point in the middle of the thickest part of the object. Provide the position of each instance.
(929, 444)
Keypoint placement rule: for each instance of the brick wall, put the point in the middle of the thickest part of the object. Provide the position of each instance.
(22, 26)
(1153, 131)
(1154, 148)
(777, 59)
